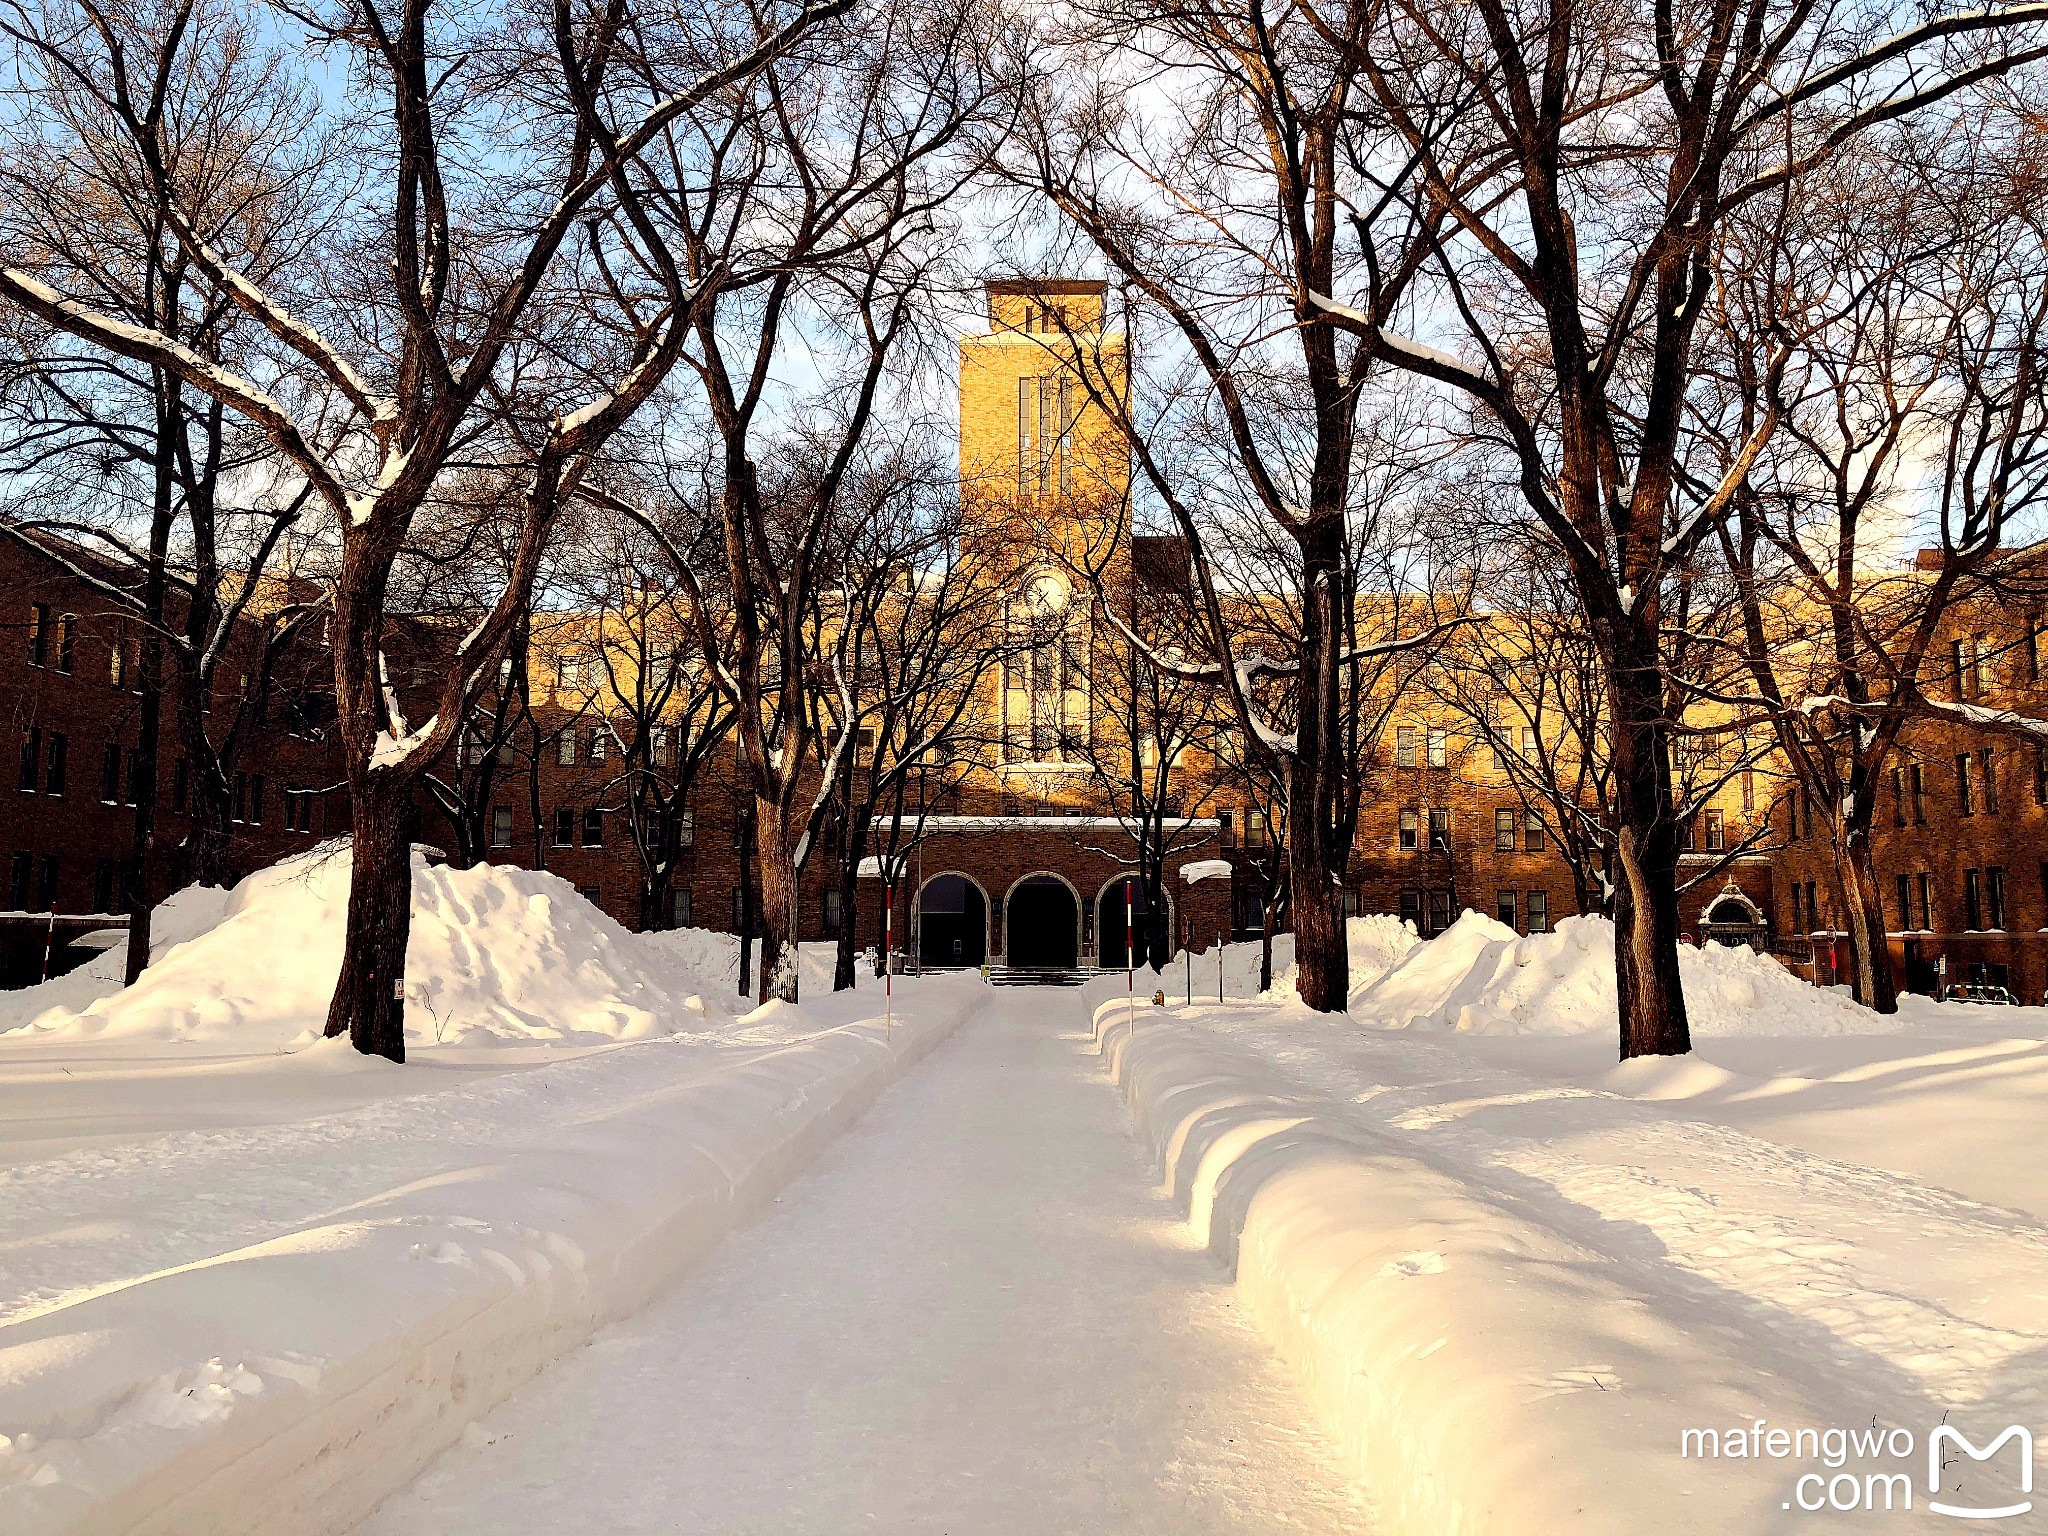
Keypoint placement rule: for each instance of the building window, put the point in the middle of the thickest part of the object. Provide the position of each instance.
(565, 747)
(67, 643)
(1685, 835)
(1507, 908)
(1898, 797)
(1798, 911)
(1748, 790)
(38, 634)
(1959, 667)
(597, 735)
(686, 829)
(679, 907)
(1439, 911)
(1905, 904)
(1439, 753)
(1973, 901)
(1411, 908)
(501, 826)
(739, 909)
(1410, 823)
(1440, 830)
(1254, 829)
(1980, 659)
(1916, 777)
(48, 893)
(31, 758)
(1503, 830)
(117, 660)
(1534, 834)
(60, 751)
(833, 912)
(565, 827)
(1926, 902)
(1717, 832)
(21, 878)
(1994, 897)
(1987, 764)
(593, 827)
(1539, 912)
(589, 893)
(1349, 902)
(1965, 799)
(1404, 747)
(255, 799)
(241, 800)
(103, 886)
(294, 807)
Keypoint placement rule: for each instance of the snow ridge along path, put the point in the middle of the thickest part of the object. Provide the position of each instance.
(1483, 1373)
(974, 1316)
(285, 1381)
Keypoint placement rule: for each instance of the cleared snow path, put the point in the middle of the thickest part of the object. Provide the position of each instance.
(974, 1315)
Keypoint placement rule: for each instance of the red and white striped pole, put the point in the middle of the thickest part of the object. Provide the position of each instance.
(888, 962)
(1130, 957)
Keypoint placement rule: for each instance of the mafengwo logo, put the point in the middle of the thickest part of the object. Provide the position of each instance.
(1872, 1468)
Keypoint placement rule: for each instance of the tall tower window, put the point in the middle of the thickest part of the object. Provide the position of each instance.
(1045, 420)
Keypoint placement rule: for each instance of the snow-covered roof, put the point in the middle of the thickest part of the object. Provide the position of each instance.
(1205, 869)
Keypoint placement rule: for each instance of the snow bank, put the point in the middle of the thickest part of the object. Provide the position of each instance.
(1374, 943)
(291, 1384)
(1478, 975)
(498, 955)
(1480, 1373)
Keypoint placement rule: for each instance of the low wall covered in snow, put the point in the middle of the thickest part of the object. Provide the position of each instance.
(339, 1360)
(1479, 1372)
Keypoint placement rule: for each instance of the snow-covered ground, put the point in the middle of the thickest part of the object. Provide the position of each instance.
(235, 1257)
(974, 1317)
(1849, 1208)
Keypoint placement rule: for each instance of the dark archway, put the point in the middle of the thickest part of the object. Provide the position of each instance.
(952, 919)
(1042, 925)
(1110, 922)
(1733, 922)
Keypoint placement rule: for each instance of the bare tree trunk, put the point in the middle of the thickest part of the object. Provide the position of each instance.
(1315, 776)
(136, 881)
(1650, 998)
(847, 960)
(776, 871)
(369, 997)
(1863, 903)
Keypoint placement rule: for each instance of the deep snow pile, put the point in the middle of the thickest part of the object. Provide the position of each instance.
(1374, 943)
(1478, 975)
(498, 955)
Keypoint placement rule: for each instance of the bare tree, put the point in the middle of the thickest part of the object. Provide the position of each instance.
(909, 635)
(1221, 215)
(818, 211)
(1550, 189)
(473, 240)
(116, 455)
(1928, 368)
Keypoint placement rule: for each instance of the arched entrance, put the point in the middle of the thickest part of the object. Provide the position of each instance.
(1042, 924)
(1110, 922)
(1733, 920)
(952, 922)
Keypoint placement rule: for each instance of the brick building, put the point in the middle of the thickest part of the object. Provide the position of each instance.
(70, 686)
(1961, 832)
(1021, 861)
